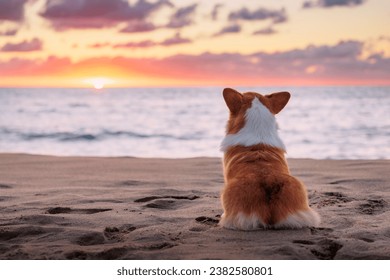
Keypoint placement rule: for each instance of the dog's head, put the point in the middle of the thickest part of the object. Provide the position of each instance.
(263, 107)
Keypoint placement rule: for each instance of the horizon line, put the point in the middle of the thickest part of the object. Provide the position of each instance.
(191, 86)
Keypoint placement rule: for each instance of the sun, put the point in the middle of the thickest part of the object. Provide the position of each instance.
(98, 82)
(98, 85)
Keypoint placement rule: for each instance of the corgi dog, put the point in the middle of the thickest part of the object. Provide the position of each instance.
(259, 191)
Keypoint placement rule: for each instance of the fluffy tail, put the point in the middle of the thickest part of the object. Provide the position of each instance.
(300, 219)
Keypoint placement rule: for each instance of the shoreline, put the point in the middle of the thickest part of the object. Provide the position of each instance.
(56, 207)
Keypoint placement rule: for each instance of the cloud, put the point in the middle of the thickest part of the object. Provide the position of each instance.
(134, 45)
(139, 26)
(182, 17)
(336, 64)
(215, 11)
(12, 10)
(332, 3)
(233, 28)
(9, 32)
(277, 16)
(99, 45)
(24, 46)
(65, 14)
(265, 31)
(175, 40)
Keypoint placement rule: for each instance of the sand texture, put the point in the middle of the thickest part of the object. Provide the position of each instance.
(134, 208)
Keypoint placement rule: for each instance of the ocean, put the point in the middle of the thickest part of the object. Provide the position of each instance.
(318, 122)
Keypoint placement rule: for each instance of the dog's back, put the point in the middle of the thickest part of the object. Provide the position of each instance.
(259, 190)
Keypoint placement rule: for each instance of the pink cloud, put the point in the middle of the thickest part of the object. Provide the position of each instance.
(9, 32)
(99, 45)
(136, 26)
(277, 16)
(215, 11)
(232, 28)
(24, 46)
(265, 31)
(65, 14)
(332, 3)
(182, 17)
(134, 45)
(175, 40)
(12, 10)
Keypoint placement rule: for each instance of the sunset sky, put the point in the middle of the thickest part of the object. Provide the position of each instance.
(116, 43)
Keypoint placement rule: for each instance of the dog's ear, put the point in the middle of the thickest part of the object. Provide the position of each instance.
(233, 100)
(278, 100)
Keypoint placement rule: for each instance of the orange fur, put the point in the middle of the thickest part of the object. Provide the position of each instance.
(259, 190)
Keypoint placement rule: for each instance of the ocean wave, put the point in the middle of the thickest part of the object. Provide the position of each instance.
(79, 136)
(61, 136)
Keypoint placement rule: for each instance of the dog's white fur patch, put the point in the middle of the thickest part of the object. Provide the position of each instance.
(260, 128)
(242, 222)
(300, 219)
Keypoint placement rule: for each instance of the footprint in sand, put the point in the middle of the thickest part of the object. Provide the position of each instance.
(93, 238)
(163, 204)
(332, 198)
(304, 242)
(109, 235)
(321, 245)
(8, 234)
(117, 234)
(67, 210)
(320, 230)
(159, 246)
(325, 249)
(168, 202)
(372, 207)
(108, 254)
(207, 221)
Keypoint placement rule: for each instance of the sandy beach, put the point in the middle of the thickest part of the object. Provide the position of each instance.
(137, 208)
